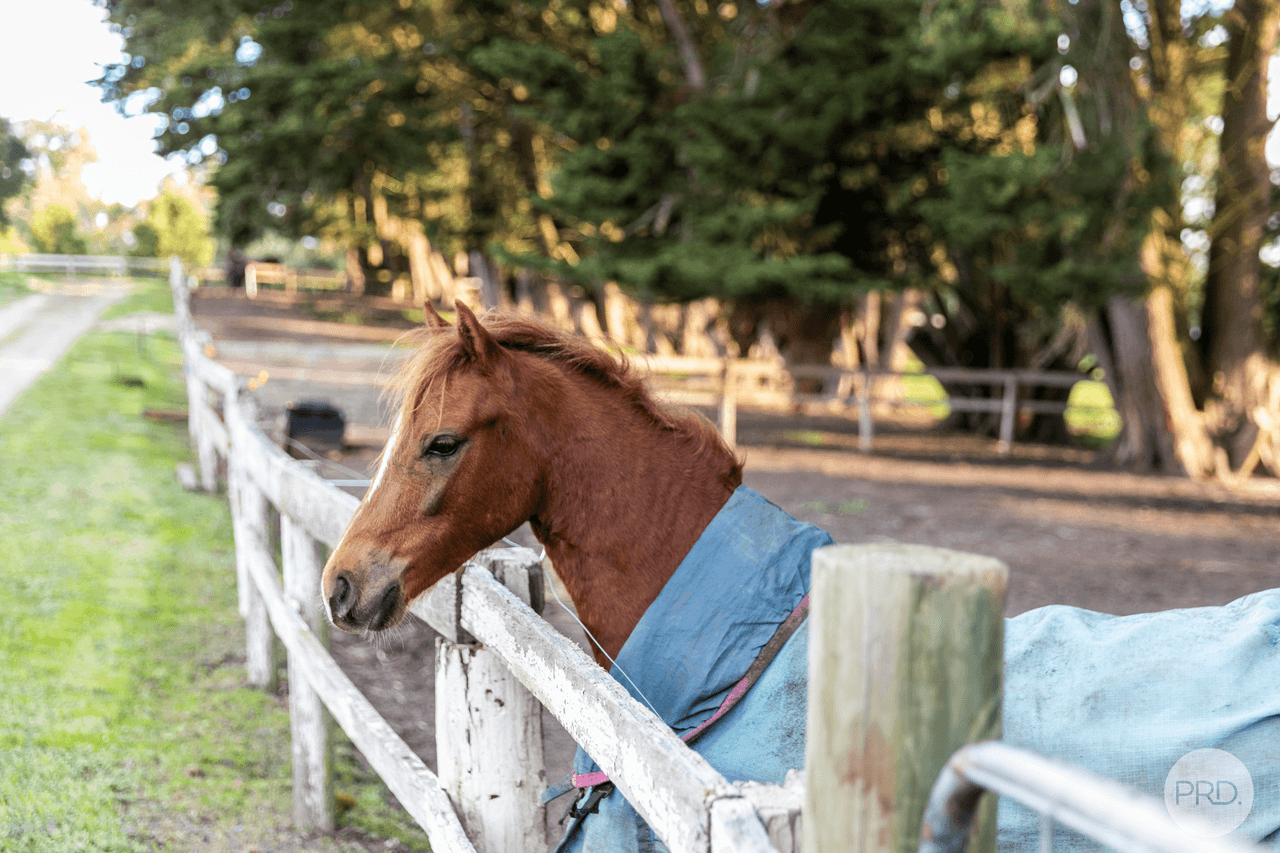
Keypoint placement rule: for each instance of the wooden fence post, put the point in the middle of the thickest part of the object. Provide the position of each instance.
(906, 654)
(729, 404)
(489, 735)
(205, 452)
(866, 426)
(253, 542)
(308, 720)
(1008, 415)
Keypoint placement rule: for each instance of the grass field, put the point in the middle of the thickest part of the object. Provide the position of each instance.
(12, 286)
(124, 722)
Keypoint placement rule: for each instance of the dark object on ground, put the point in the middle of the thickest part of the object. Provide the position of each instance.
(233, 268)
(317, 424)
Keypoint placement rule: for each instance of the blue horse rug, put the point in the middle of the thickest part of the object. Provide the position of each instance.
(742, 579)
(1127, 697)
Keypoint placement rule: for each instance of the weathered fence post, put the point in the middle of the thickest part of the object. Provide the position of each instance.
(489, 730)
(906, 653)
(1008, 414)
(197, 392)
(729, 403)
(308, 720)
(251, 526)
(866, 426)
(251, 280)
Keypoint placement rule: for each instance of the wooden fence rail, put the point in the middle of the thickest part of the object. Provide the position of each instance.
(729, 384)
(85, 264)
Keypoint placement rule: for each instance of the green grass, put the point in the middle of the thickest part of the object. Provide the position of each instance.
(1091, 412)
(125, 724)
(13, 286)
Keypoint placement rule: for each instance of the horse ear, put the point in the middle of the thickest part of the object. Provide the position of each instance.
(432, 317)
(477, 343)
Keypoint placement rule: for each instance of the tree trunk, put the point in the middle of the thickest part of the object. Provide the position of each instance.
(355, 272)
(1118, 337)
(1232, 340)
(1191, 440)
(1163, 261)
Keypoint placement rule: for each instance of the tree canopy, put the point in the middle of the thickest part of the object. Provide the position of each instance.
(14, 174)
(806, 151)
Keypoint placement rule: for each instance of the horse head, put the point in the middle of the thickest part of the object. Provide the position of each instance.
(458, 473)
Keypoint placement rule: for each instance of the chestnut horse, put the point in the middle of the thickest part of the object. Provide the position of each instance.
(519, 422)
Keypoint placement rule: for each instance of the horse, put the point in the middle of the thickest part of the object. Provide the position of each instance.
(672, 564)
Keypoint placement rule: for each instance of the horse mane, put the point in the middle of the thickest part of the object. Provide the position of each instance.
(441, 352)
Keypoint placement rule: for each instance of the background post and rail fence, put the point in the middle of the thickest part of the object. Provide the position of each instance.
(724, 384)
(906, 656)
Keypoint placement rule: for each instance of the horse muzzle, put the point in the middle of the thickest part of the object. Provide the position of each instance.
(370, 605)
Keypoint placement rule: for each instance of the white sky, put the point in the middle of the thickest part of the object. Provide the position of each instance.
(48, 49)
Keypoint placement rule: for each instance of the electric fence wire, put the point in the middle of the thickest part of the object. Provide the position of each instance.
(316, 457)
(574, 616)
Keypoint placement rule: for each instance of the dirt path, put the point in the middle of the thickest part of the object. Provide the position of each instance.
(36, 330)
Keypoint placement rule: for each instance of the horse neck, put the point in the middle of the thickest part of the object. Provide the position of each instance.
(625, 502)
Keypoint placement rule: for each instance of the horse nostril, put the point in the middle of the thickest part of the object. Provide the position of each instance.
(386, 608)
(342, 599)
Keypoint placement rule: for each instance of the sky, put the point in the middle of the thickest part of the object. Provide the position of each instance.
(42, 75)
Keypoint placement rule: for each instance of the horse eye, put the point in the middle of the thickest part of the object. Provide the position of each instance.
(442, 446)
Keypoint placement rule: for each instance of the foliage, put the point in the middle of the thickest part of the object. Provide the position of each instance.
(14, 178)
(54, 230)
(303, 110)
(130, 728)
(174, 226)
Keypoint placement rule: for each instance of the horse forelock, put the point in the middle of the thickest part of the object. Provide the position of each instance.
(441, 352)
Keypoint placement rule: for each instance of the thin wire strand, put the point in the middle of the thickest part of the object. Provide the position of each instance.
(294, 443)
(599, 646)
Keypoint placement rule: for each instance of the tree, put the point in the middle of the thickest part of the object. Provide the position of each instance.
(794, 158)
(174, 226)
(1233, 344)
(54, 230)
(354, 120)
(14, 166)
(1186, 82)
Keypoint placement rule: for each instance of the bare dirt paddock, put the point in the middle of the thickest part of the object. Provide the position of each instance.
(1071, 533)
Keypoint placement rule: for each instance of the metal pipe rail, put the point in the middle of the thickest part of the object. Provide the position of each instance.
(1105, 810)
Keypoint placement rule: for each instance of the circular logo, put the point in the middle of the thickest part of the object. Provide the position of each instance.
(1209, 792)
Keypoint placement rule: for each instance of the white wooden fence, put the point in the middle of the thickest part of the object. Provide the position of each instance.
(258, 273)
(905, 667)
(84, 264)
